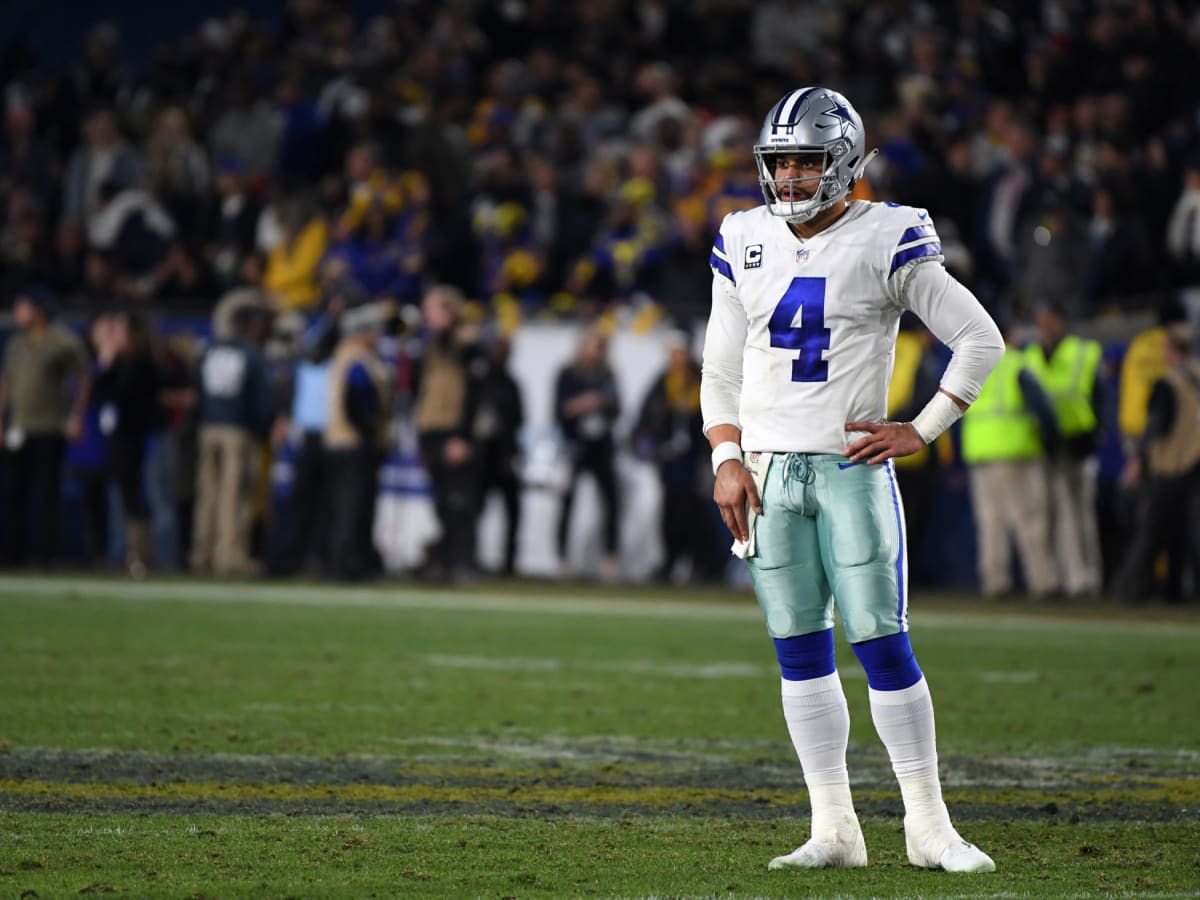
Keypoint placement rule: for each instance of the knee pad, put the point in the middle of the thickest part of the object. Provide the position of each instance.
(889, 662)
(806, 656)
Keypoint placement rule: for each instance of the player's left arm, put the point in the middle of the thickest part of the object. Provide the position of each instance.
(959, 321)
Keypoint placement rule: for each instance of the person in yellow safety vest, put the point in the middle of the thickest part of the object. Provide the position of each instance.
(1169, 462)
(1144, 364)
(1006, 434)
(1069, 370)
(916, 374)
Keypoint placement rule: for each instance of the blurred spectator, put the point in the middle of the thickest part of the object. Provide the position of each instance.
(300, 125)
(98, 77)
(669, 433)
(164, 467)
(87, 478)
(1053, 252)
(104, 158)
(294, 253)
(1006, 436)
(178, 170)
(44, 391)
(1144, 363)
(235, 415)
(1009, 201)
(1183, 228)
(26, 252)
(127, 388)
(26, 161)
(305, 538)
(627, 255)
(1120, 263)
(586, 404)
(356, 439)
(130, 237)
(383, 248)
(246, 129)
(499, 416)
(656, 84)
(447, 394)
(1169, 462)
(512, 261)
(233, 223)
(1069, 369)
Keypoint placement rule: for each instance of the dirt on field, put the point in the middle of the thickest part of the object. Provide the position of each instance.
(599, 781)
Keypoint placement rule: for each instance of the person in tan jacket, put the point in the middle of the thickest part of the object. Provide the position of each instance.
(356, 439)
(1168, 462)
(447, 398)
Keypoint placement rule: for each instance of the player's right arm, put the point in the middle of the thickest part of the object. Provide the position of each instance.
(720, 395)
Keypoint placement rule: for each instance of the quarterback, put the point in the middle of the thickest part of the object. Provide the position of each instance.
(807, 295)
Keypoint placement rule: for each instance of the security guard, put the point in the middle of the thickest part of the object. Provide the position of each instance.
(1068, 368)
(1005, 434)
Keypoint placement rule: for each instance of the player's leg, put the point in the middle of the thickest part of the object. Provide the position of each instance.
(861, 529)
(793, 592)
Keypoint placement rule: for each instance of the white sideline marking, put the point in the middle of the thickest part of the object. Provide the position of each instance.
(1020, 676)
(403, 596)
(627, 666)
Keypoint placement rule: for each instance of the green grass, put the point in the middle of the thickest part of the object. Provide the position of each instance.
(221, 856)
(520, 740)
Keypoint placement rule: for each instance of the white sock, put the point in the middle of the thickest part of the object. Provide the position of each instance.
(904, 721)
(818, 721)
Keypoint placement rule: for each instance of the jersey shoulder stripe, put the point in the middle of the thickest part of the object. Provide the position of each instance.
(721, 266)
(903, 257)
(918, 237)
(730, 238)
(719, 259)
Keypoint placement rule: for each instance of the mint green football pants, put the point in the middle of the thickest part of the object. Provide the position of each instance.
(830, 532)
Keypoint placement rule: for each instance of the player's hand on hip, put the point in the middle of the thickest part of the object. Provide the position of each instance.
(733, 493)
(883, 441)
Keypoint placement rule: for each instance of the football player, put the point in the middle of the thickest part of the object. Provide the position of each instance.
(807, 295)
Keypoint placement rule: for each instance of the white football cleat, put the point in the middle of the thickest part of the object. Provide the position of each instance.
(843, 848)
(948, 852)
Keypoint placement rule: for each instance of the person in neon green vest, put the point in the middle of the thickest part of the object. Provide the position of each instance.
(1069, 368)
(1006, 436)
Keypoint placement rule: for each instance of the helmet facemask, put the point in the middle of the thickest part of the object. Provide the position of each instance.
(826, 186)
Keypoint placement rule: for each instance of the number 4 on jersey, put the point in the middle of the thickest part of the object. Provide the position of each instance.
(805, 296)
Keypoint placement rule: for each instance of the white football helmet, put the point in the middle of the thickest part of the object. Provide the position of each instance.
(812, 120)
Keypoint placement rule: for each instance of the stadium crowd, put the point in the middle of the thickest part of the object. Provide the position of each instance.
(319, 183)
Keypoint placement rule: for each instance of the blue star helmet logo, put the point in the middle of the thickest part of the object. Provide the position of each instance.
(839, 111)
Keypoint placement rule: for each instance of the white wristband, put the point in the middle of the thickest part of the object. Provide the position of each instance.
(723, 452)
(939, 414)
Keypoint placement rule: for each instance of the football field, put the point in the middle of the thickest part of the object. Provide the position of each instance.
(187, 739)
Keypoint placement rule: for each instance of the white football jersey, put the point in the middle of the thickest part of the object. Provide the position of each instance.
(802, 333)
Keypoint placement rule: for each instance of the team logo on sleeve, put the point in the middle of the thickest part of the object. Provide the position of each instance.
(753, 257)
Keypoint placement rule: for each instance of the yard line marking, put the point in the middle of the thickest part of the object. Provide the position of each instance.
(409, 597)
